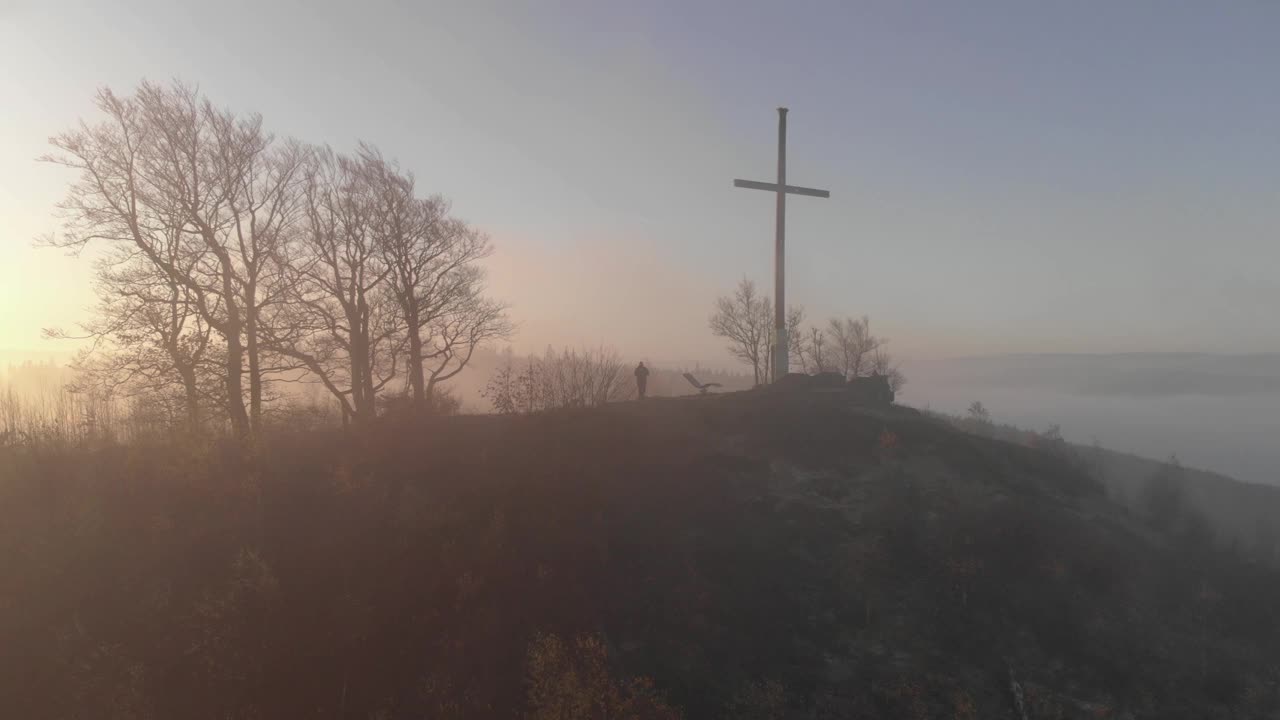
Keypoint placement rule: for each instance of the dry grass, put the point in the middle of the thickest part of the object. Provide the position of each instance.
(744, 551)
(50, 414)
(56, 415)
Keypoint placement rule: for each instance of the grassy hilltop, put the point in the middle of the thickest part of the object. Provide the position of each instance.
(750, 555)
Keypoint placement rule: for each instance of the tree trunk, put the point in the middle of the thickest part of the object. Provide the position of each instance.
(232, 331)
(361, 371)
(366, 358)
(192, 395)
(234, 370)
(254, 352)
(416, 379)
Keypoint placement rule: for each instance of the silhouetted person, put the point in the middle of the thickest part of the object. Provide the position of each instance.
(642, 378)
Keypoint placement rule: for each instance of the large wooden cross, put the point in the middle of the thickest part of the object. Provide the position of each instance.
(780, 347)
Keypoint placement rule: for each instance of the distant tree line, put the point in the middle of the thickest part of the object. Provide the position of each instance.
(559, 379)
(847, 346)
(233, 261)
(587, 377)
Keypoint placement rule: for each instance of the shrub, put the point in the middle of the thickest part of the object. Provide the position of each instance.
(571, 681)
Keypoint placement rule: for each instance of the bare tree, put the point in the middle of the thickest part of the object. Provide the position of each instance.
(342, 322)
(815, 355)
(586, 378)
(167, 164)
(281, 261)
(882, 364)
(236, 192)
(559, 379)
(745, 320)
(434, 277)
(979, 419)
(852, 345)
(513, 387)
(469, 321)
(148, 341)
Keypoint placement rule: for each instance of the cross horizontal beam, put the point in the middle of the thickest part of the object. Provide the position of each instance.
(773, 187)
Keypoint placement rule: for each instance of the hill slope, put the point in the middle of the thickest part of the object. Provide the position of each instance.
(1240, 513)
(788, 556)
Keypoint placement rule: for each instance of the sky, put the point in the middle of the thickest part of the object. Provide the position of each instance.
(1004, 176)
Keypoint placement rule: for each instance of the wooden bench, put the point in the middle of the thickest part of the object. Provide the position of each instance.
(702, 387)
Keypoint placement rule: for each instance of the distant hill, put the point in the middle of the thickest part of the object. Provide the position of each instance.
(753, 554)
(1135, 374)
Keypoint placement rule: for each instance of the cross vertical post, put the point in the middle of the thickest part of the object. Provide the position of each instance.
(780, 355)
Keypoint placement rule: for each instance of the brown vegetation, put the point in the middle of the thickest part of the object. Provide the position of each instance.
(755, 549)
